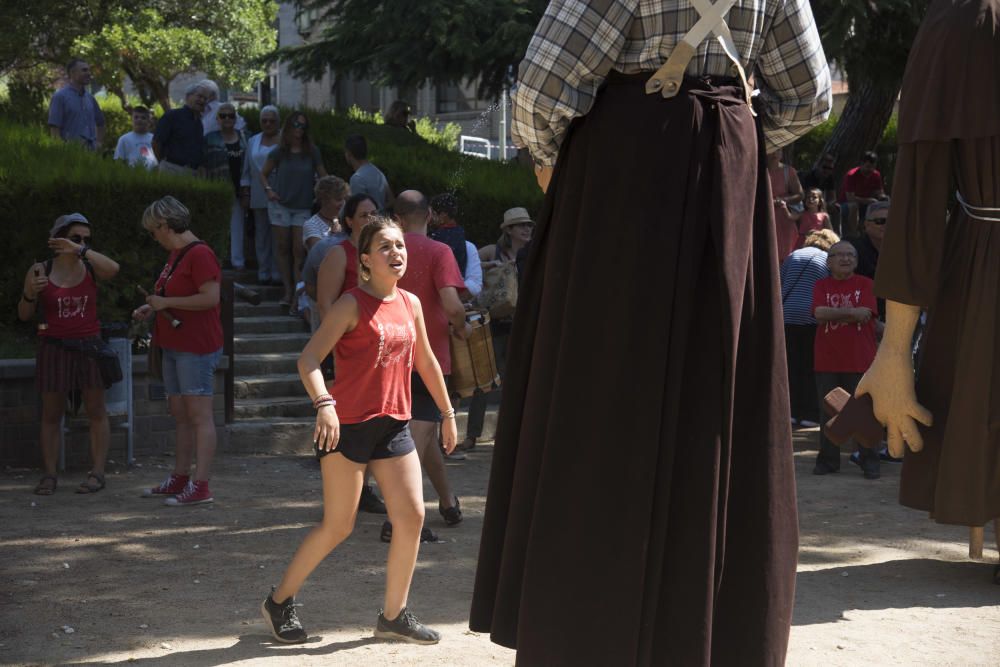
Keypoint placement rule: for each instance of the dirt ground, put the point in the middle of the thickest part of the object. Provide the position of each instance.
(114, 578)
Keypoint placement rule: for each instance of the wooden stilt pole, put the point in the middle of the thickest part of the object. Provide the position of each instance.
(975, 542)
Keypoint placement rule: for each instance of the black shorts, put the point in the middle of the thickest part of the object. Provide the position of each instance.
(423, 408)
(376, 438)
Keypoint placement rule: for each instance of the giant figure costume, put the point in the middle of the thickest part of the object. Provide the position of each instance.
(641, 506)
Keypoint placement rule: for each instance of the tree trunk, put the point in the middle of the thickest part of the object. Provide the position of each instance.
(867, 112)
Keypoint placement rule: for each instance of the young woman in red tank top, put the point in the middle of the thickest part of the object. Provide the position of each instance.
(378, 336)
(66, 292)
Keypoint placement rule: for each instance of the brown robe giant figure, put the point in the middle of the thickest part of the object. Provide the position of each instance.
(949, 161)
(641, 506)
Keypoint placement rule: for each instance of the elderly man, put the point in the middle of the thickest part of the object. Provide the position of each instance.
(179, 141)
(74, 114)
(209, 121)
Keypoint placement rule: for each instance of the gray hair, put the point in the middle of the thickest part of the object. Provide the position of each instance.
(270, 108)
(226, 105)
(193, 88)
(881, 205)
(166, 210)
(212, 88)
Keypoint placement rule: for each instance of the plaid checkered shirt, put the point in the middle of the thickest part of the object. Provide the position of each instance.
(577, 43)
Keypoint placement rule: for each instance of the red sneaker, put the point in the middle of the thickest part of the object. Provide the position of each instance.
(195, 493)
(171, 486)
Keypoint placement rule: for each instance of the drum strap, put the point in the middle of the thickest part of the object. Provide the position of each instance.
(667, 80)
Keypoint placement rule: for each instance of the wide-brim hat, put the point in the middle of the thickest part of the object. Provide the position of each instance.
(515, 216)
(64, 221)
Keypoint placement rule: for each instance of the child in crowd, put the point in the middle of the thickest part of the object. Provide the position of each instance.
(814, 217)
(378, 337)
(136, 147)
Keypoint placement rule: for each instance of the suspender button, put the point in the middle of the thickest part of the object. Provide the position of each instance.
(671, 86)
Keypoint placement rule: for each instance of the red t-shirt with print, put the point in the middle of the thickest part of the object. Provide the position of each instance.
(844, 347)
(860, 183)
(201, 330)
(431, 266)
(70, 312)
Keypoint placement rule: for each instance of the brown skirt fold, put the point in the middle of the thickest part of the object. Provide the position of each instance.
(641, 506)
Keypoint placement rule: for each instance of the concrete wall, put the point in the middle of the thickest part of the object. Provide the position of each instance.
(153, 430)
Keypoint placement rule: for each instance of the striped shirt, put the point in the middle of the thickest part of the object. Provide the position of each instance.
(578, 42)
(799, 274)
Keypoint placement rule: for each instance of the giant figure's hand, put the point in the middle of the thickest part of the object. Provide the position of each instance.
(890, 383)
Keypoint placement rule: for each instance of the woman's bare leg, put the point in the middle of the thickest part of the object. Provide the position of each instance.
(100, 430)
(402, 486)
(342, 479)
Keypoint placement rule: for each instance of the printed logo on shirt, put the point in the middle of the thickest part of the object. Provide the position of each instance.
(72, 306)
(395, 344)
(842, 300)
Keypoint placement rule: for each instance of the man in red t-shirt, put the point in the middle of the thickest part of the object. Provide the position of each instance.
(861, 186)
(845, 310)
(432, 274)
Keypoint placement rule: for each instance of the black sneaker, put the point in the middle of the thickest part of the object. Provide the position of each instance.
(283, 620)
(405, 628)
(453, 515)
(369, 502)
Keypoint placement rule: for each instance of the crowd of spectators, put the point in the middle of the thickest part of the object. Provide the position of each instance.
(833, 321)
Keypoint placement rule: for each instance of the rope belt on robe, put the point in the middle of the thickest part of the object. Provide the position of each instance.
(978, 212)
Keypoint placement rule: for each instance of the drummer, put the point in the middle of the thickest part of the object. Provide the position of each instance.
(432, 274)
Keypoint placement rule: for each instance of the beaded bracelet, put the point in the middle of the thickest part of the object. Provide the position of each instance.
(448, 414)
(321, 398)
(331, 403)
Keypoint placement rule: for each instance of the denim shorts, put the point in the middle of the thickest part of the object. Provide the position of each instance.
(189, 374)
(282, 216)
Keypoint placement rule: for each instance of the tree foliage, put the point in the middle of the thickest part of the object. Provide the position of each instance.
(403, 43)
(153, 41)
(870, 42)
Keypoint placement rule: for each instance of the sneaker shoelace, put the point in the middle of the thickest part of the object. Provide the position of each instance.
(289, 617)
(189, 491)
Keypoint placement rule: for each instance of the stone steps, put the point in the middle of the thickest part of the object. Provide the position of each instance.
(264, 309)
(292, 407)
(250, 343)
(269, 325)
(276, 385)
(267, 363)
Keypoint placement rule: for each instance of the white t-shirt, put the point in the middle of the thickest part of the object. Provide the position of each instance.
(136, 149)
(315, 227)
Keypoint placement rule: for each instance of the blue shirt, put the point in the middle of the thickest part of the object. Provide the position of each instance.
(370, 180)
(77, 115)
(180, 136)
(799, 273)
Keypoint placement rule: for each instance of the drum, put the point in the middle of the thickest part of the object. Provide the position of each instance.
(473, 364)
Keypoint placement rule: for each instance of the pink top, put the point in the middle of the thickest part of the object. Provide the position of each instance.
(374, 360)
(71, 312)
(811, 222)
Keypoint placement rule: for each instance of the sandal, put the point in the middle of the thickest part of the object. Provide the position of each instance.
(43, 488)
(87, 487)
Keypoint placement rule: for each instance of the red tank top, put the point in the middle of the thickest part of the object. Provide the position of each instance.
(71, 312)
(375, 359)
(351, 268)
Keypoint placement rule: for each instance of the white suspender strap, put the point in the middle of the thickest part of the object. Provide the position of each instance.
(667, 80)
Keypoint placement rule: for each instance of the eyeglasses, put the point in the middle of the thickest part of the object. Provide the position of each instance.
(80, 240)
(299, 125)
(226, 115)
(878, 221)
(268, 120)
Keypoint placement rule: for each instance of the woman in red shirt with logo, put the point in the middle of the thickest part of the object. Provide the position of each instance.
(378, 337)
(66, 290)
(187, 290)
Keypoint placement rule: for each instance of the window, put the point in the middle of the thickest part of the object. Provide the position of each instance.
(452, 99)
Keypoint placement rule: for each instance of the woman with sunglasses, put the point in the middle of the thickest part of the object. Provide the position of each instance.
(225, 152)
(64, 290)
(299, 164)
(259, 147)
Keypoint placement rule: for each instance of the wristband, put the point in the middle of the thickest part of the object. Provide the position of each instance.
(448, 414)
(83, 251)
(24, 296)
(322, 398)
(325, 404)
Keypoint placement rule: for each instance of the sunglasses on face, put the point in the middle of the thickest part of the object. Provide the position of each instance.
(80, 240)
(878, 221)
(226, 115)
(299, 125)
(268, 120)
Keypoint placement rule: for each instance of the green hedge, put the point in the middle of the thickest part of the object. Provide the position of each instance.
(41, 179)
